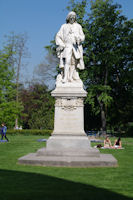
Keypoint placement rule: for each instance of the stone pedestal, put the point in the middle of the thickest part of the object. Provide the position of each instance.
(69, 145)
(69, 112)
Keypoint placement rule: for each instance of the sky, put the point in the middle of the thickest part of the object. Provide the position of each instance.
(41, 20)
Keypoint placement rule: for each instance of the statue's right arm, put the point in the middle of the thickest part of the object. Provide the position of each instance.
(59, 38)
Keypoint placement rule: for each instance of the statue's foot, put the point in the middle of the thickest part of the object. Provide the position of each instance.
(64, 80)
(70, 80)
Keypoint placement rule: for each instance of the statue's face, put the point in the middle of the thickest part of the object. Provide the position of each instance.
(72, 19)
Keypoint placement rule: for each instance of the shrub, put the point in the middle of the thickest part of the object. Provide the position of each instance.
(130, 129)
(29, 132)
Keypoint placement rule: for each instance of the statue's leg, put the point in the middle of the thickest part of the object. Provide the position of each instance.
(66, 69)
(61, 63)
(71, 70)
(72, 67)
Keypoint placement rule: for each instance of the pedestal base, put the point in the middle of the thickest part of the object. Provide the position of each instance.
(104, 160)
(69, 151)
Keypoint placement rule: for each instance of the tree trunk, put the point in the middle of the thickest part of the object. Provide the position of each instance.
(16, 123)
(17, 85)
(103, 117)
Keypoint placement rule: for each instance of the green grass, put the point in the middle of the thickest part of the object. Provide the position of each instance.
(20, 182)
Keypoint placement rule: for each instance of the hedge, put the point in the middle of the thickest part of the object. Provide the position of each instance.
(29, 132)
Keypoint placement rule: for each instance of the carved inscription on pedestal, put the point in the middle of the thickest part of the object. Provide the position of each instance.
(69, 104)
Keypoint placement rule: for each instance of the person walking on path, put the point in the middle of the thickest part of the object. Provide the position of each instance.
(3, 132)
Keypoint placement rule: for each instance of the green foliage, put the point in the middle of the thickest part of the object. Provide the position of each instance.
(38, 107)
(129, 129)
(9, 111)
(102, 93)
(29, 132)
(8, 107)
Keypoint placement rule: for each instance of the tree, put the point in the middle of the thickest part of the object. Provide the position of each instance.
(8, 107)
(17, 45)
(38, 107)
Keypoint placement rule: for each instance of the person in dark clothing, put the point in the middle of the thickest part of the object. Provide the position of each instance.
(117, 143)
(3, 132)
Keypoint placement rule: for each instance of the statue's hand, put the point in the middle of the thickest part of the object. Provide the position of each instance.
(60, 48)
(78, 41)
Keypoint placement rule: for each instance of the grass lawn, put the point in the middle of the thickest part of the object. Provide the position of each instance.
(19, 182)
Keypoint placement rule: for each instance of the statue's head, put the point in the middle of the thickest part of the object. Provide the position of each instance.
(71, 17)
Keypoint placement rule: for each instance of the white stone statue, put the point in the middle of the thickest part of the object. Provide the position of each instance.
(69, 49)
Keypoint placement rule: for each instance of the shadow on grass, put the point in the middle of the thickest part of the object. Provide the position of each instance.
(16, 185)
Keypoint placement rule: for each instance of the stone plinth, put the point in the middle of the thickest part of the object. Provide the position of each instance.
(69, 145)
(69, 112)
(104, 160)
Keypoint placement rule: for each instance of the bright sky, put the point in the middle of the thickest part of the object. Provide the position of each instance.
(40, 19)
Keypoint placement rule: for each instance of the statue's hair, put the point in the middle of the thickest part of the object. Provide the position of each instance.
(69, 14)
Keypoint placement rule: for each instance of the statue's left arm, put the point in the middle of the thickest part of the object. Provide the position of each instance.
(80, 35)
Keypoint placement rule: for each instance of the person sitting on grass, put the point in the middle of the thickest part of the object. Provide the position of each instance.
(3, 132)
(107, 143)
(117, 143)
